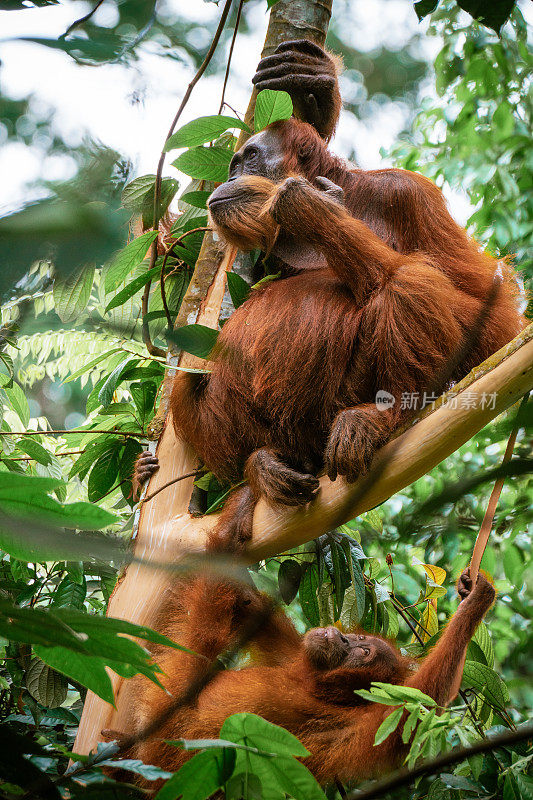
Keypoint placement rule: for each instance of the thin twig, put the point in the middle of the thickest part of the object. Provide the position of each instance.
(150, 346)
(233, 38)
(239, 116)
(488, 519)
(169, 483)
(71, 430)
(32, 458)
(399, 608)
(159, 172)
(111, 490)
(81, 20)
(406, 776)
(164, 277)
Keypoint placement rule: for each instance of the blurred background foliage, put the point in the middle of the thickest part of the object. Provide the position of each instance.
(75, 372)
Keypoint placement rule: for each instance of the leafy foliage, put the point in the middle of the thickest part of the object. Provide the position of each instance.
(71, 342)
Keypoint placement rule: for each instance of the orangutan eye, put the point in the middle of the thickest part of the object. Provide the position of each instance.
(365, 650)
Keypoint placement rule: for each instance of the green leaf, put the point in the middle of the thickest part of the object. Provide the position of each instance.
(146, 771)
(91, 364)
(35, 450)
(196, 339)
(80, 47)
(104, 472)
(484, 679)
(354, 597)
(127, 259)
(403, 694)
(438, 791)
(243, 784)
(83, 668)
(493, 14)
(238, 288)
(254, 731)
(513, 564)
(197, 199)
(46, 685)
(389, 724)
(200, 777)
(525, 785)
(308, 594)
(18, 402)
(132, 288)
(271, 106)
(42, 509)
(70, 593)
(289, 576)
(208, 163)
(71, 293)
(202, 130)
(93, 450)
(144, 395)
(62, 634)
(138, 197)
(511, 790)
(105, 395)
(26, 484)
(425, 7)
(460, 782)
(410, 723)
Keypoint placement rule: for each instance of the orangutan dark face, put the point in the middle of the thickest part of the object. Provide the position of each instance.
(328, 648)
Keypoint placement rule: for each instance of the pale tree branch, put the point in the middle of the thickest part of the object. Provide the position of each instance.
(166, 516)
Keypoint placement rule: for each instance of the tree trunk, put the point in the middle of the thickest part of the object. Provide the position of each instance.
(164, 522)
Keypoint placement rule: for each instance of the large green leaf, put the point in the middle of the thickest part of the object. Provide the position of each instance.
(127, 259)
(202, 130)
(72, 292)
(138, 197)
(42, 508)
(239, 289)
(46, 685)
(89, 366)
(196, 339)
(83, 668)
(200, 777)
(254, 731)
(197, 199)
(80, 645)
(308, 594)
(104, 472)
(70, 593)
(208, 163)
(147, 771)
(389, 724)
(485, 680)
(271, 106)
(132, 288)
(18, 402)
(35, 450)
(289, 576)
(105, 395)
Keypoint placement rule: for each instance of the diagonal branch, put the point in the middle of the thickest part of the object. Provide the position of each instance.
(406, 776)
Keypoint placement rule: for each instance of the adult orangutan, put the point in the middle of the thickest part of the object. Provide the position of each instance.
(318, 674)
(379, 290)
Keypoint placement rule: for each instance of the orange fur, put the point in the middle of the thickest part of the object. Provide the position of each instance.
(317, 705)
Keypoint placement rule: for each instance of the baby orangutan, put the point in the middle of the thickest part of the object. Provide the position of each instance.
(303, 683)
